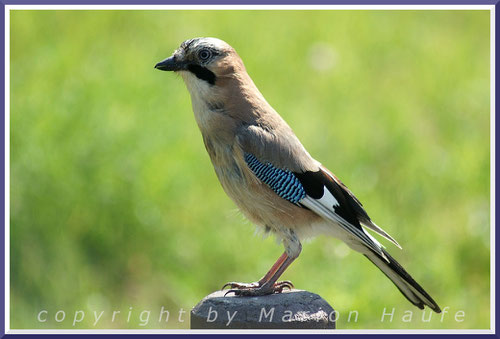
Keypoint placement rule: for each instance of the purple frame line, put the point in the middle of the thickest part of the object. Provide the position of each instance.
(199, 2)
(251, 2)
(2, 171)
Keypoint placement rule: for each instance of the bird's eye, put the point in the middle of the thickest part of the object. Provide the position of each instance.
(204, 54)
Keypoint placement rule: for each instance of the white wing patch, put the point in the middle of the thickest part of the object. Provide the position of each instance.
(328, 199)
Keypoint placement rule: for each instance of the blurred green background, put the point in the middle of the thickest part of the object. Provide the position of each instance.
(115, 205)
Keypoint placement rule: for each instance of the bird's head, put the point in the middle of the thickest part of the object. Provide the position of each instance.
(203, 59)
(217, 81)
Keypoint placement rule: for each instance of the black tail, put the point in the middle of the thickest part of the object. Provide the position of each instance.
(403, 281)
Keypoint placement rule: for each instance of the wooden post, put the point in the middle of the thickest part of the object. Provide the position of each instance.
(295, 309)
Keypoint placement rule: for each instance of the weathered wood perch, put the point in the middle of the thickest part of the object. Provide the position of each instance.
(294, 309)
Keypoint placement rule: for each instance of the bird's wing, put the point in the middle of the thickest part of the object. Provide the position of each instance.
(277, 145)
(316, 189)
(360, 212)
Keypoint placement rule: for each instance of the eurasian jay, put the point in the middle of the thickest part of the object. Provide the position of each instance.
(266, 171)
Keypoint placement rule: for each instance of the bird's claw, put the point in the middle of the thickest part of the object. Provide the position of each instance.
(284, 284)
(232, 291)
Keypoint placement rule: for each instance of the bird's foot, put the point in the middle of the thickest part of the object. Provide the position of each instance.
(238, 285)
(256, 289)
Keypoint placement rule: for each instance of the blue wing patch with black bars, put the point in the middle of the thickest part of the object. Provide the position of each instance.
(283, 182)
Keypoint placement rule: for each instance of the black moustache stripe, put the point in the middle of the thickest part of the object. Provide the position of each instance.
(202, 73)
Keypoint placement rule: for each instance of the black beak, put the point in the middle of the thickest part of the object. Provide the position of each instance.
(170, 64)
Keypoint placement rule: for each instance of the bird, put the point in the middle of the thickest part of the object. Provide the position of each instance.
(264, 168)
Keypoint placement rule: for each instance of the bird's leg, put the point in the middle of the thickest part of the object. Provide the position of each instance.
(273, 269)
(265, 278)
(268, 283)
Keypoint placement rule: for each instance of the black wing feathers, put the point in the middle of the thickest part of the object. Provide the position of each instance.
(348, 207)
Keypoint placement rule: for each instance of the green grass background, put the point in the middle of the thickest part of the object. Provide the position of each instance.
(114, 205)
